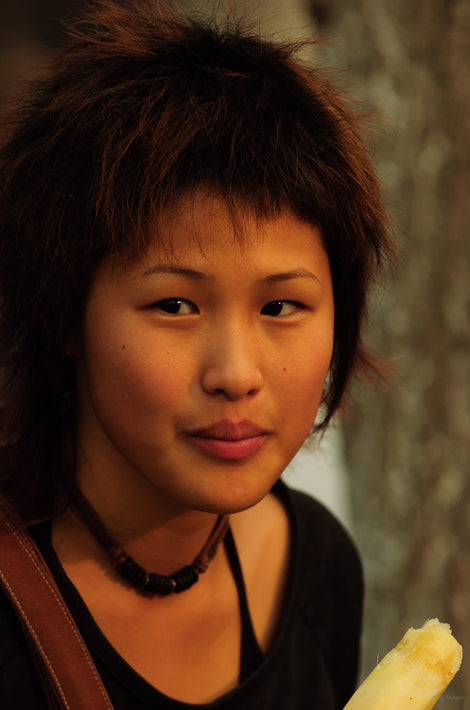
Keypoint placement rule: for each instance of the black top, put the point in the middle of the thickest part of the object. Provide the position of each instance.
(251, 655)
(312, 662)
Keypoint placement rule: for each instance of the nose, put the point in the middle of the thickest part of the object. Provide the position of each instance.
(232, 364)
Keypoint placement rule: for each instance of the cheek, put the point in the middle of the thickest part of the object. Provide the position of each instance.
(132, 379)
(132, 371)
(302, 382)
(303, 388)
(309, 362)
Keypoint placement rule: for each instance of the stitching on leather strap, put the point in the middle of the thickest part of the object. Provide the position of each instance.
(62, 606)
(36, 639)
(28, 548)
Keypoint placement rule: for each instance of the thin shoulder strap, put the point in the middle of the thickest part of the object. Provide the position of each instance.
(251, 655)
(69, 675)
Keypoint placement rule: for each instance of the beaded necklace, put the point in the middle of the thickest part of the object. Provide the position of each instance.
(127, 568)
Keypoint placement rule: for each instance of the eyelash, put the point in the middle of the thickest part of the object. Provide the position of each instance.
(280, 304)
(171, 306)
(170, 303)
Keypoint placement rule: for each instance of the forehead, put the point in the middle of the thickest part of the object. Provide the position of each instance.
(200, 241)
(202, 224)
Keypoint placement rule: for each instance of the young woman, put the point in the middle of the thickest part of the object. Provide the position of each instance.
(189, 226)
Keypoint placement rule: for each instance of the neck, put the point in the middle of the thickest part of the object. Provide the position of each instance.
(159, 534)
(84, 546)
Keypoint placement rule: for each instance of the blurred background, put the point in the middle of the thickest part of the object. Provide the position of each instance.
(397, 471)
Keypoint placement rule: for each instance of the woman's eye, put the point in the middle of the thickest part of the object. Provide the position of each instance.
(176, 306)
(281, 308)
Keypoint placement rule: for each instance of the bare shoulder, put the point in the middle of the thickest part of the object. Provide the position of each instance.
(263, 539)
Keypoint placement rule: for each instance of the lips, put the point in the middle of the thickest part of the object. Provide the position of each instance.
(230, 440)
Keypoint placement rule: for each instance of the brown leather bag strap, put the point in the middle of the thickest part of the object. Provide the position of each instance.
(68, 671)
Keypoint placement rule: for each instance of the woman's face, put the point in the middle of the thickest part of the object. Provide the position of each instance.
(200, 369)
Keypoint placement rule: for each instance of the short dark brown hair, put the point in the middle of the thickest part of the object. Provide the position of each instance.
(142, 106)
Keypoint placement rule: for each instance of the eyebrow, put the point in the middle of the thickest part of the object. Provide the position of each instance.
(199, 275)
(288, 275)
(178, 270)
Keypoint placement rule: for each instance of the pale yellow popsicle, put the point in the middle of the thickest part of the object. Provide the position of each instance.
(414, 674)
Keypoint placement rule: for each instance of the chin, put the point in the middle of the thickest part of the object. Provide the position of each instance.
(236, 497)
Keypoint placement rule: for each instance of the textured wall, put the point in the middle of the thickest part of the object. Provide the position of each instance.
(409, 448)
